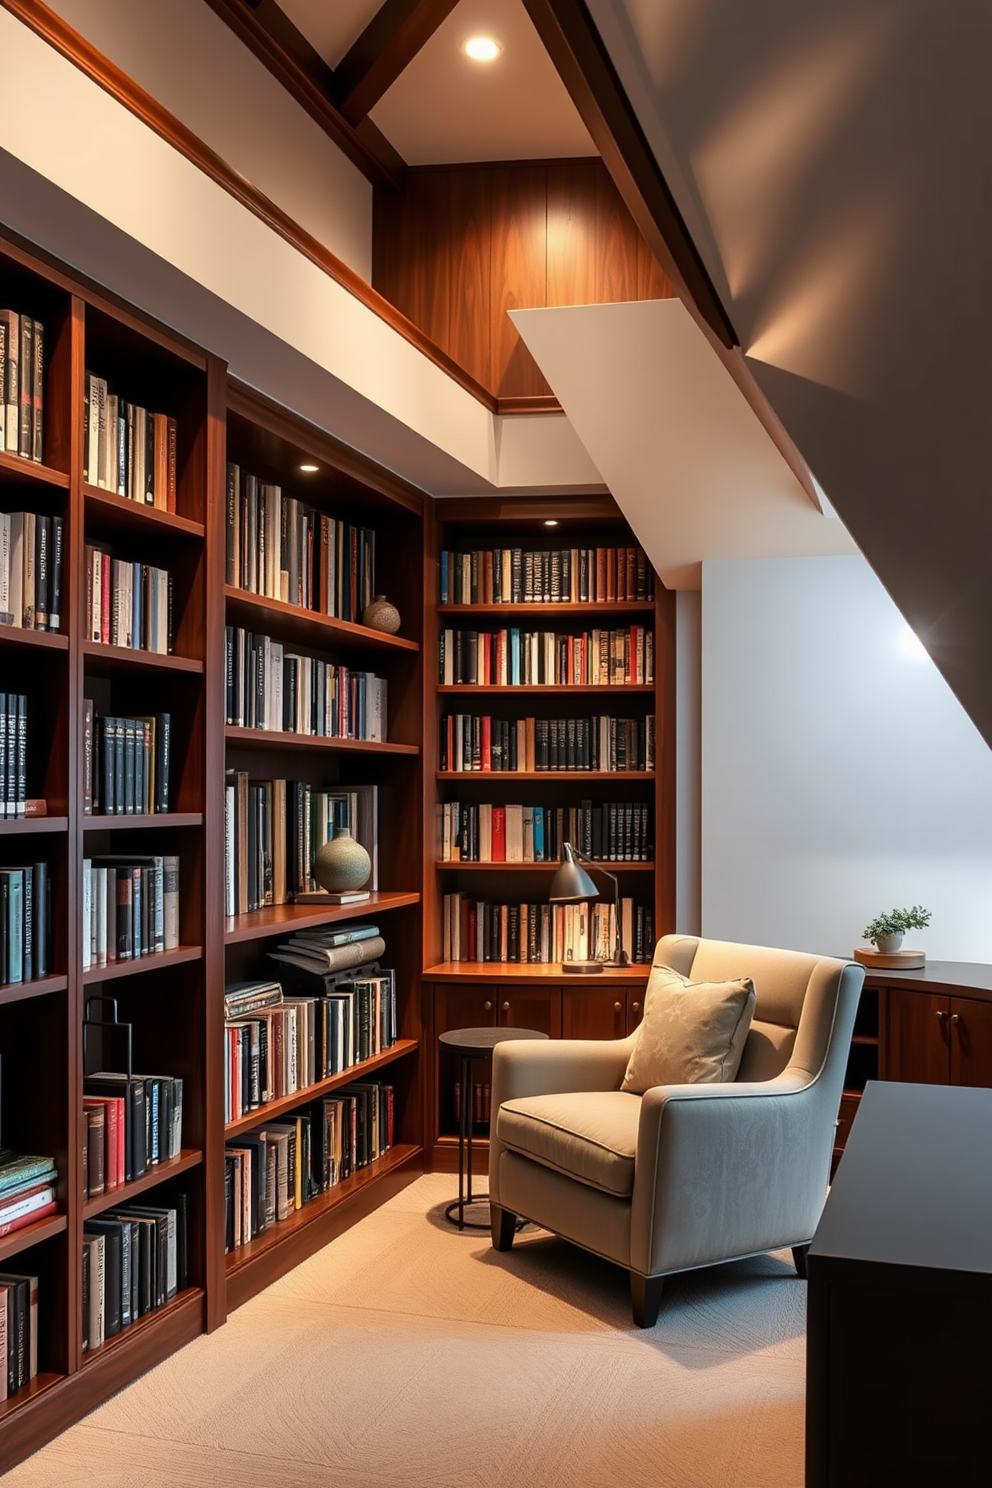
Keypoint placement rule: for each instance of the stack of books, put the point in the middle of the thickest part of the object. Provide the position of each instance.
(25, 923)
(555, 576)
(281, 1166)
(546, 658)
(130, 908)
(480, 930)
(13, 754)
(31, 571)
(127, 449)
(27, 1190)
(135, 1260)
(471, 742)
(281, 548)
(125, 763)
(22, 385)
(131, 1126)
(18, 1332)
(606, 831)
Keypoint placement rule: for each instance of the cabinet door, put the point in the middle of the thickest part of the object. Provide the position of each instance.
(918, 1037)
(530, 1007)
(635, 1008)
(971, 1042)
(464, 1007)
(593, 1013)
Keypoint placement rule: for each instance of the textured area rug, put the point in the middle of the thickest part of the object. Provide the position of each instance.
(406, 1353)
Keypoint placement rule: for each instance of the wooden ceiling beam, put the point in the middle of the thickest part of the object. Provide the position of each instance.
(385, 48)
(269, 33)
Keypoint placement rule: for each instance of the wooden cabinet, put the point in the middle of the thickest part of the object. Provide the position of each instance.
(601, 1012)
(937, 1039)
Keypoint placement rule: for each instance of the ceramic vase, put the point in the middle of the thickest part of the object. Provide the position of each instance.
(887, 945)
(342, 863)
(381, 615)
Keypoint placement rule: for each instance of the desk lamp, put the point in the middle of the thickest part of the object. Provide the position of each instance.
(570, 885)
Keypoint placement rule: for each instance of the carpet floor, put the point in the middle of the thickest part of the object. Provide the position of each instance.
(405, 1353)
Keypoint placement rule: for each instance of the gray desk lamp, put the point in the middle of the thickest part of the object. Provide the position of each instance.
(570, 885)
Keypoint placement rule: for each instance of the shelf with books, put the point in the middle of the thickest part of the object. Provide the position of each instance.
(551, 611)
(118, 512)
(158, 820)
(402, 1049)
(185, 1305)
(522, 971)
(101, 657)
(33, 1234)
(15, 469)
(458, 865)
(44, 639)
(29, 1394)
(296, 623)
(33, 825)
(36, 987)
(645, 689)
(277, 739)
(162, 1172)
(469, 777)
(114, 970)
(280, 919)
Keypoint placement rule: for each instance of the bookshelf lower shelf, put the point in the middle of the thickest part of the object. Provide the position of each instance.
(283, 919)
(34, 1234)
(281, 1247)
(27, 1393)
(189, 1158)
(286, 1103)
(139, 1333)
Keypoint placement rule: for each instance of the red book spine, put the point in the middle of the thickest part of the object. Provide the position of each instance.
(487, 741)
(105, 571)
(499, 834)
(111, 1178)
(27, 1219)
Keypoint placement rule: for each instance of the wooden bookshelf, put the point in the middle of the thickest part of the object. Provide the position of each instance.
(259, 1115)
(283, 919)
(161, 1172)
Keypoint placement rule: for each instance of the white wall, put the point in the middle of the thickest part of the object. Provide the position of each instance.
(688, 682)
(840, 777)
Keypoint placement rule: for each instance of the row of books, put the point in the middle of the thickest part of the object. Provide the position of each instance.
(481, 930)
(27, 1190)
(130, 1127)
(271, 688)
(135, 1260)
(125, 764)
(273, 830)
(285, 1044)
(31, 562)
(280, 547)
(18, 1331)
(127, 604)
(25, 923)
(555, 576)
(22, 385)
(280, 1167)
(128, 449)
(546, 658)
(130, 908)
(481, 1101)
(13, 754)
(606, 831)
(480, 742)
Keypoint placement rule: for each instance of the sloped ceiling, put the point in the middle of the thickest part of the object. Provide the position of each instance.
(832, 160)
(696, 474)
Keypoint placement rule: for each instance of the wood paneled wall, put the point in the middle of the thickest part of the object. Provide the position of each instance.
(464, 244)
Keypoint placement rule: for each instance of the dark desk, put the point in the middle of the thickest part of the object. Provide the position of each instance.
(899, 1345)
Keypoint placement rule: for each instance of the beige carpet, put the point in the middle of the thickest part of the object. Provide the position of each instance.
(406, 1353)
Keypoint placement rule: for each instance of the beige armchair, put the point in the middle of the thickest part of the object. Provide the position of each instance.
(684, 1175)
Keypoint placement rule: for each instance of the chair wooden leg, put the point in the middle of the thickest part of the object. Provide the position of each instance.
(799, 1254)
(645, 1298)
(504, 1227)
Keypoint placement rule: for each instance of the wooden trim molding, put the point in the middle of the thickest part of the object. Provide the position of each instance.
(389, 43)
(535, 403)
(77, 50)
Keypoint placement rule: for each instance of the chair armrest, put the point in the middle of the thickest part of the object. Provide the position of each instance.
(728, 1170)
(556, 1066)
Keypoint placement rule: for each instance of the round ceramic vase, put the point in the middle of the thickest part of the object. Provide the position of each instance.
(381, 615)
(887, 945)
(342, 863)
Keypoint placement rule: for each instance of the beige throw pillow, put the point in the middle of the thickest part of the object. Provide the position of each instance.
(691, 1033)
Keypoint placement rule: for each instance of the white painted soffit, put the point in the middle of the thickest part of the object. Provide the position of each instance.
(693, 470)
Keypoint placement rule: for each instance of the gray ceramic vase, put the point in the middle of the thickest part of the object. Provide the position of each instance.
(381, 615)
(342, 863)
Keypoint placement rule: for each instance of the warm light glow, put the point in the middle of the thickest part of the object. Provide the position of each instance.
(482, 49)
(551, 522)
(309, 469)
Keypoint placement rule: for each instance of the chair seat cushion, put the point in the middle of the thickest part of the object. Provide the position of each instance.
(590, 1136)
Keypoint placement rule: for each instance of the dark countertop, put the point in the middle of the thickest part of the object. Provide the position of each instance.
(938, 976)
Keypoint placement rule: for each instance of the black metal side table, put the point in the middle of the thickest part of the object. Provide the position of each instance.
(472, 1044)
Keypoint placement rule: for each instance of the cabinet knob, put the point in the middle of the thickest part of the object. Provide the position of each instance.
(618, 1007)
(940, 1014)
(955, 1017)
(506, 1007)
(636, 1006)
(488, 1007)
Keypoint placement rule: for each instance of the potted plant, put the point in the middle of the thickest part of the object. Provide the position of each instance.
(887, 930)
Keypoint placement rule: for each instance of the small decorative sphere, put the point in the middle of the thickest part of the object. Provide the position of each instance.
(381, 615)
(342, 863)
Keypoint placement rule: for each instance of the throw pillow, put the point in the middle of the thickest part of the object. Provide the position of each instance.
(691, 1032)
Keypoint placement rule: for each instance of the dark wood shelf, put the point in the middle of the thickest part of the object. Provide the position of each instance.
(26, 825)
(309, 625)
(869, 1039)
(273, 739)
(128, 656)
(14, 468)
(158, 1318)
(116, 823)
(160, 1173)
(585, 608)
(47, 640)
(560, 688)
(261, 1114)
(530, 971)
(138, 964)
(119, 511)
(37, 987)
(28, 1392)
(551, 775)
(549, 867)
(33, 1234)
(283, 919)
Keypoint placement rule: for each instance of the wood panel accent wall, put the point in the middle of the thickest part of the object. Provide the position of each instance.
(464, 244)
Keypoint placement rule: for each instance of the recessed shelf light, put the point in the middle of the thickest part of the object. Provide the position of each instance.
(551, 522)
(482, 48)
(309, 469)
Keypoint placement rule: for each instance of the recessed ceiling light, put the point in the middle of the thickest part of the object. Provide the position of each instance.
(482, 49)
(309, 469)
(551, 522)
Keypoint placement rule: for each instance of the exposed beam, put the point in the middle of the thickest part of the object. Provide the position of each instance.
(574, 44)
(390, 41)
(268, 32)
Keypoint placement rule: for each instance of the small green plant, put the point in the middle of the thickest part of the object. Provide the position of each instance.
(896, 922)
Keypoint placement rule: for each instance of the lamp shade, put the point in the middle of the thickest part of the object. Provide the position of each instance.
(571, 883)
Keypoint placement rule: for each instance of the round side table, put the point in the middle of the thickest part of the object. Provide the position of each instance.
(472, 1044)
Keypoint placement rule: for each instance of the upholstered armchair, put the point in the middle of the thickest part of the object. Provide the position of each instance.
(681, 1176)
